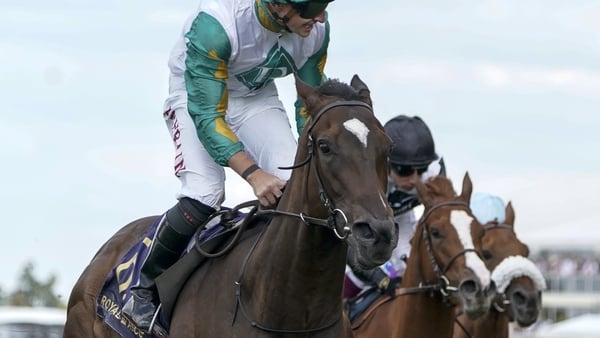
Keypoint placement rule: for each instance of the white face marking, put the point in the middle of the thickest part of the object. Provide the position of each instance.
(359, 129)
(462, 222)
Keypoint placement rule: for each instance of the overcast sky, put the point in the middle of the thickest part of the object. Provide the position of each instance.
(510, 89)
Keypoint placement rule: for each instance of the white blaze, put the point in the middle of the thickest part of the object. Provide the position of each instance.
(359, 129)
(462, 222)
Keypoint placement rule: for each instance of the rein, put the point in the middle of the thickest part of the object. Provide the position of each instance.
(329, 223)
(443, 286)
(240, 304)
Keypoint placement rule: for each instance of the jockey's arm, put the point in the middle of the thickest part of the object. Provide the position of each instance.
(206, 84)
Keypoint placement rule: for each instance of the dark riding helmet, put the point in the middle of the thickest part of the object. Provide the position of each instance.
(307, 9)
(413, 143)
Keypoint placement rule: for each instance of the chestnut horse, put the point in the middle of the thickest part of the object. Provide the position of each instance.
(518, 280)
(443, 270)
(287, 279)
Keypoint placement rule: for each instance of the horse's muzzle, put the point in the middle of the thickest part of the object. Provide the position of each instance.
(375, 240)
(475, 298)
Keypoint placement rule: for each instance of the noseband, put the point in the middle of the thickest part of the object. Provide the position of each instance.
(443, 285)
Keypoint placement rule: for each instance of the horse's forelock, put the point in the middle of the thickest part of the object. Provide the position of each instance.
(440, 186)
(334, 87)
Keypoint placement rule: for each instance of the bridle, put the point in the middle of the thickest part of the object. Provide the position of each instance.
(443, 284)
(501, 297)
(329, 223)
(501, 302)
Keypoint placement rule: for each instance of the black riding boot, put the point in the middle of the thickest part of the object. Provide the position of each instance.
(172, 237)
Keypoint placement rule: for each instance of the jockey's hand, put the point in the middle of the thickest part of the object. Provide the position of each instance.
(389, 285)
(267, 188)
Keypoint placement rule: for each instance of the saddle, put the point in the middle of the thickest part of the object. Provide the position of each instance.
(230, 226)
(209, 244)
(357, 305)
(362, 307)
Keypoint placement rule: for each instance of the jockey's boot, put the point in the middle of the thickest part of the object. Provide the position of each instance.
(172, 237)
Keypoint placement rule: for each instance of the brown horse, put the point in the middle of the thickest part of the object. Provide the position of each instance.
(443, 271)
(287, 279)
(519, 283)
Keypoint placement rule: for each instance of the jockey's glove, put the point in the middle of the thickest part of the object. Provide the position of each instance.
(379, 279)
(389, 285)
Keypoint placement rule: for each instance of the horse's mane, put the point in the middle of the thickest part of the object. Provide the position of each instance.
(440, 186)
(334, 87)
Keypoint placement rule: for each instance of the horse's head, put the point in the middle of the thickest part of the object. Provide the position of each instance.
(519, 281)
(345, 150)
(449, 236)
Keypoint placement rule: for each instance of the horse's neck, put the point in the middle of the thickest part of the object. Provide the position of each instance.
(419, 311)
(298, 264)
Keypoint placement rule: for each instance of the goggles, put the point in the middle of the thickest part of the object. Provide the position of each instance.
(309, 9)
(408, 170)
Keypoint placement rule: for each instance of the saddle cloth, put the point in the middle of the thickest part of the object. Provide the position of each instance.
(126, 274)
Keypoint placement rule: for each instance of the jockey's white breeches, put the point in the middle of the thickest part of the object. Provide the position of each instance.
(260, 122)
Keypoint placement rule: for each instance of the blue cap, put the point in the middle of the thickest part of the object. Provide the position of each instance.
(487, 207)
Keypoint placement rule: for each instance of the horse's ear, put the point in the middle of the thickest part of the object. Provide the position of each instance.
(308, 94)
(526, 247)
(509, 214)
(362, 89)
(424, 193)
(467, 189)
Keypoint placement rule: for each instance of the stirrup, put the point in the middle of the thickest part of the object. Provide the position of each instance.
(155, 328)
(155, 317)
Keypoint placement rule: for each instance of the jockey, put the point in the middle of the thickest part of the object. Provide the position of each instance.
(413, 158)
(223, 110)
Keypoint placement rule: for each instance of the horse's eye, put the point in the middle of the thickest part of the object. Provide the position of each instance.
(435, 233)
(487, 255)
(324, 146)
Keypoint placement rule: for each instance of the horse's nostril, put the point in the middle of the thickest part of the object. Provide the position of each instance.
(363, 229)
(468, 287)
(519, 298)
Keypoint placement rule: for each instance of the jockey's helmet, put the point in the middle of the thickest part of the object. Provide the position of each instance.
(307, 9)
(487, 208)
(413, 142)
